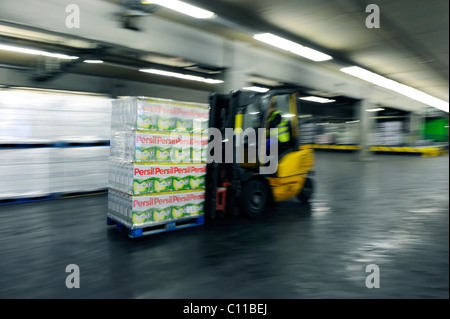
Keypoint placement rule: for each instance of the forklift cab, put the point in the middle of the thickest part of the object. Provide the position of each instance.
(248, 189)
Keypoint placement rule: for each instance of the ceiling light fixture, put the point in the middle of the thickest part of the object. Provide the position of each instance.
(184, 8)
(293, 47)
(36, 52)
(212, 81)
(181, 76)
(93, 61)
(317, 99)
(392, 85)
(378, 109)
(256, 89)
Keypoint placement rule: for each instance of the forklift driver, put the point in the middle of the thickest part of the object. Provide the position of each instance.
(276, 120)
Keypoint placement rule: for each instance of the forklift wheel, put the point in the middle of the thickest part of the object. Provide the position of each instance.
(307, 191)
(255, 198)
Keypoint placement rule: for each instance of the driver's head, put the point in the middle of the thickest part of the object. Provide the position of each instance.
(273, 105)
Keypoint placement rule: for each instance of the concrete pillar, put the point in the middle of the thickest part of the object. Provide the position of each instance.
(234, 80)
(235, 60)
(416, 121)
(366, 124)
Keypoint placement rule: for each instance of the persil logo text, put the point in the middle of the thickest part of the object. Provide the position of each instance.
(188, 197)
(171, 110)
(170, 170)
(168, 200)
(158, 140)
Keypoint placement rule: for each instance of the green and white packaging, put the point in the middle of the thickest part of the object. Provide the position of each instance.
(146, 210)
(157, 155)
(146, 178)
(140, 146)
(152, 114)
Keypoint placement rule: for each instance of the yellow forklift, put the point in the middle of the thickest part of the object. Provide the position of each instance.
(234, 186)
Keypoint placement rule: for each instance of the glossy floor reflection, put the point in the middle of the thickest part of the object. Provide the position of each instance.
(392, 212)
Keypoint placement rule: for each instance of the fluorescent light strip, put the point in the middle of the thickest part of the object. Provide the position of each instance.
(293, 47)
(36, 52)
(396, 87)
(93, 61)
(181, 76)
(317, 99)
(184, 8)
(212, 81)
(256, 89)
(378, 109)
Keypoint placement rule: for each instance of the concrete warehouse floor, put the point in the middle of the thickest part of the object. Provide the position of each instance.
(392, 212)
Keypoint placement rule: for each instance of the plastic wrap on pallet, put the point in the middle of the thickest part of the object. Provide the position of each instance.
(389, 134)
(80, 154)
(307, 133)
(84, 176)
(136, 178)
(146, 210)
(25, 172)
(17, 156)
(347, 138)
(157, 161)
(161, 115)
(327, 138)
(33, 172)
(28, 117)
(24, 180)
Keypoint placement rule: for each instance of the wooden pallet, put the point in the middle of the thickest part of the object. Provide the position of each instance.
(156, 228)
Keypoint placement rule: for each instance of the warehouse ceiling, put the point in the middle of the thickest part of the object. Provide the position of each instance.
(411, 46)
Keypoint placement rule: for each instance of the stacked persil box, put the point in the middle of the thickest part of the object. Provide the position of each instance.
(165, 147)
(148, 210)
(157, 166)
(145, 178)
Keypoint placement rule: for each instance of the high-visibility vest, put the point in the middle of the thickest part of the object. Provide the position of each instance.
(283, 128)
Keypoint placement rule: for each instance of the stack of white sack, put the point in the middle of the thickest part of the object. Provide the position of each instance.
(36, 172)
(30, 117)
